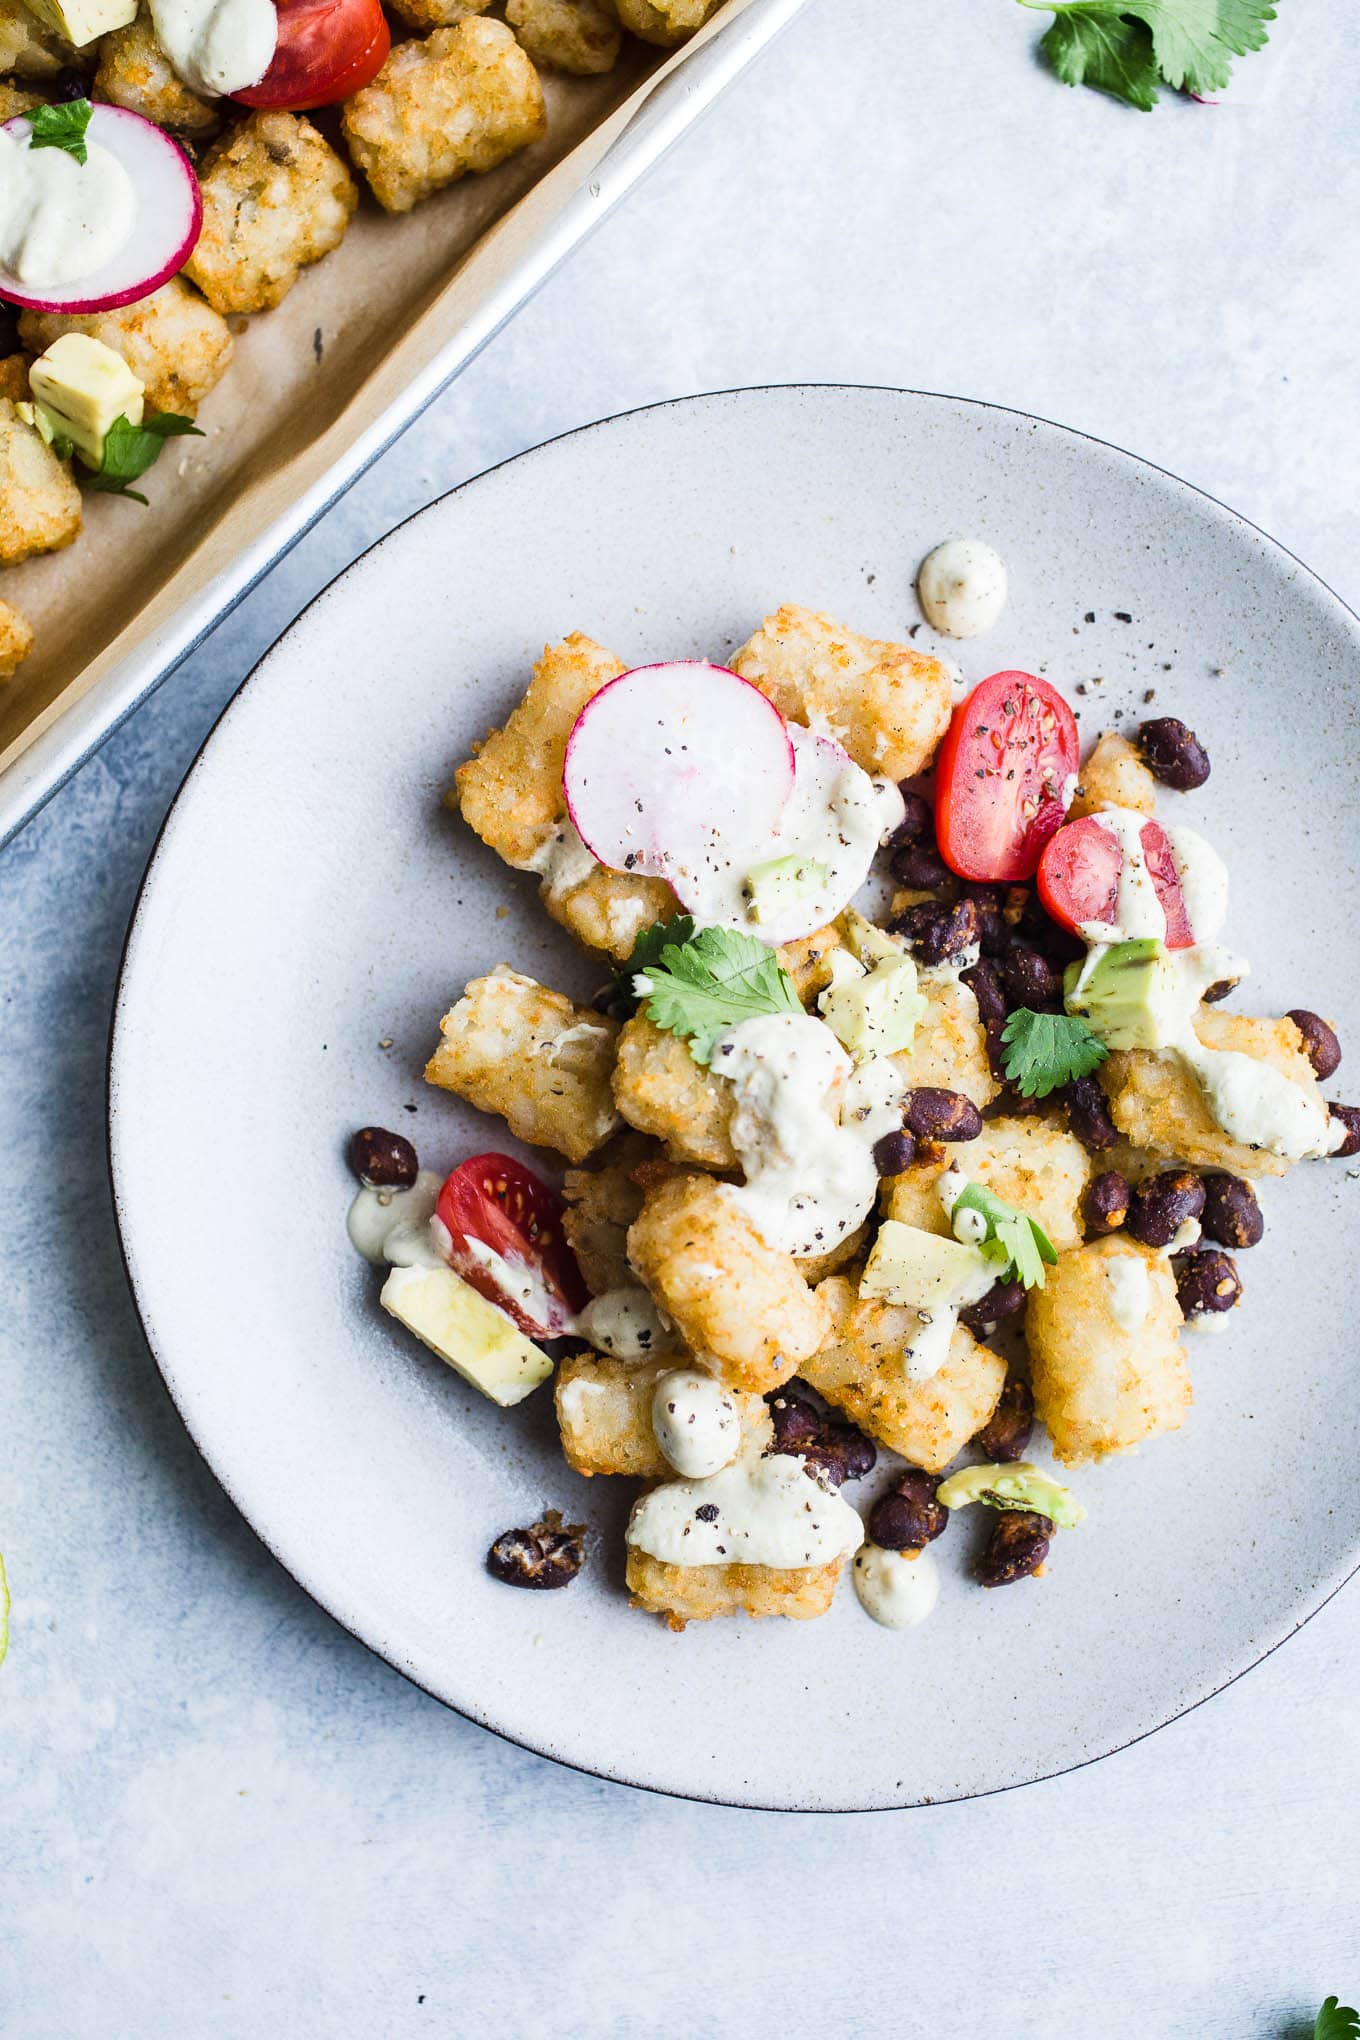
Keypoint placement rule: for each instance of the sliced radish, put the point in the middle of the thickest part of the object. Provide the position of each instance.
(151, 239)
(678, 771)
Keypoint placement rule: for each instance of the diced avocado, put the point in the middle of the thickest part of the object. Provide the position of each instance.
(1129, 994)
(779, 887)
(874, 1013)
(458, 1324)
(923, 1270)
(82, 21)
(1018, 1486)
(867, 942)
(79, 387)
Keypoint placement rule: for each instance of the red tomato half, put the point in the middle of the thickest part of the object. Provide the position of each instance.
(500, 1203)
(1080, 870)
(1000, 774)
(327, 51)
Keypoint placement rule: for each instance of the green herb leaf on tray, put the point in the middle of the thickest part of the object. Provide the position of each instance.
(129, 450)
(61, 127)
(1132, 50)
(1014, 1240)
(700, 987)
(1337, 2022)
(1043, 1051)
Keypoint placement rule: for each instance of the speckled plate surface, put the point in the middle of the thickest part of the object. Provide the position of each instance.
(311, 911)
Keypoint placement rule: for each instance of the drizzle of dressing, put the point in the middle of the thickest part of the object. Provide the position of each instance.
(626, 1323)
(60, 219)
(962, 587)
(899, 1589)
(696, 1423)
(522, 1285)
(399, 1226)
(804, 1127)
(1130, 1290)
(755, 1512)
(217, 46)
(562, 861)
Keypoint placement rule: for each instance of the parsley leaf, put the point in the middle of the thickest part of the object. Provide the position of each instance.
(1130, 47)
(61, 127)
(1043, 1051)
(1014, 1240)
(129, 450)
(1337, 2022)
(700, 987)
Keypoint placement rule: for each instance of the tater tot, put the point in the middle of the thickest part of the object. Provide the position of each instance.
(135, 72)
(666, 22)
(16, 639)
(743, 1308)
(28, 47)
(808, 961)
(889, 705)
(604, 1414)
(1040, 1169)
(598, 1206)
(661, 1090)
(950, 1047)
(39, 502)
(276, 198)
(1114, 776)
(176, 345)
(1157, 1103)
(513, 1047)
(578, 36)
(696, 1593)
(862, 1371)
(1107, 1365)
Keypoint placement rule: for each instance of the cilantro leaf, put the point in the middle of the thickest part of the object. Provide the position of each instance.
(1337, 2022)
(647, 954)
(1014, 1240)
(129, 450)
(702, 986)
(61, 127)
(1130, 49)
(1043, 1051)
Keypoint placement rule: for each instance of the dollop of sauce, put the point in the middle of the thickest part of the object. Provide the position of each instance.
(217, 46)
(1130, 1290)
(696, 1423)
(962, 587)
(60, 219)
(523, 1285)
(562, 861)
(398, 1227)
(755, 1512)
(627, 1324)
(899, 1589)
(804, 1127)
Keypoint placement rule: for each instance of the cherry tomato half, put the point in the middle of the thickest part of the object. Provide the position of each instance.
(1081, 867)
(1000, 776)
(327, 51)
(502, 1205)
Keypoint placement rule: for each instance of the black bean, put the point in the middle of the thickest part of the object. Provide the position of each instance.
(1231, 1213)
(984, 980)
(548, 1553)
(917, 823)
(1016, 1549)
(1173, 753)
(1007, 1432)
(615, 1001)
(1220, 989)
(1160, 1206)
(1032, 979)
(921, 865)
(383, 1160)
(937, 932)
(934, 1114)
(994, 930)
(894, 1153)
(1105, 1205)
(908, 1517)
(832, 1452)
(1002, 1300)
(1088, 1115)
(1319, 1041)
(71, 84)
(1043, 934)
(1207, 1282)
(1349, 1116)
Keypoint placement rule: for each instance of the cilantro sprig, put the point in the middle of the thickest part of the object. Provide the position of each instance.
(61, 127)
(129, 450)
(1130, 48)
(1336, 2021)
(647, 955)
(699, 986)
(1014, 1240)
(1043, 1051)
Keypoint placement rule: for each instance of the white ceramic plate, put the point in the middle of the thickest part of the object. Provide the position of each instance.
(310, 899)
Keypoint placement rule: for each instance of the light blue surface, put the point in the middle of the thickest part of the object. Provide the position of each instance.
(220, 1815)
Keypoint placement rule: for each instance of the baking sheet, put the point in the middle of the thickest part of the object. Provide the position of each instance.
(318, 387)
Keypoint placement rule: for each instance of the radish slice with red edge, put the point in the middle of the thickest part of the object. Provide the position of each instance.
(1082, 868)
(678, 771)
(167, 213)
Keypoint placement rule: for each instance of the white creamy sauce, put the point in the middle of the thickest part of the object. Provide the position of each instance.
(399, 1226)
(522, 1284)
(1130, 1290)
(962, 587)
(1204, 882)
(804, 1127)
(898, 1588)
(755, 1512)
(1138, 913)
(217, 46)
(696, 1423)
(59, 219)
(562, 861)
(627, 1324)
